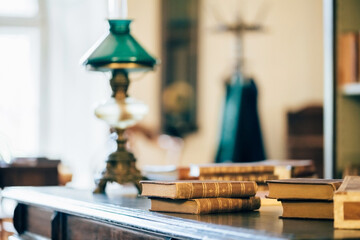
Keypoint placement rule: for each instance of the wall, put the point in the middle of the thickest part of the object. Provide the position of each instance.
(285, 59)
(74, 134)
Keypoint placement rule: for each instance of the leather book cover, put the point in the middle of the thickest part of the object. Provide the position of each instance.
(303, 188)
(230, 168)
(308, 209)
(205, 205)
(198, 189)
(259, 178)
(294, 167)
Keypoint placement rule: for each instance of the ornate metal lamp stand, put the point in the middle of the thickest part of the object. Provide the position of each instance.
(121, 54)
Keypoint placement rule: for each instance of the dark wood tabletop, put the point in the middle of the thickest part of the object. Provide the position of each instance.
(29, 172)
(131, 212)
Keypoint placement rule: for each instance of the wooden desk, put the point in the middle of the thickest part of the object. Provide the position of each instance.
(29, 172)
(64, 213)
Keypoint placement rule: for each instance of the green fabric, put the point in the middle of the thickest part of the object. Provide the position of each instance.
(241, 137)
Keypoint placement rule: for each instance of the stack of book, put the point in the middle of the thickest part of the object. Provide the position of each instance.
(286, 169)
(347, 204)
(201, 197)
(237, 172)
(260, 172)
(305, 197)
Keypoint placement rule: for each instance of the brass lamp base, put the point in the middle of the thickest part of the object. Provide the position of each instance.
(120, 113)
(120, 167)
(120, 53)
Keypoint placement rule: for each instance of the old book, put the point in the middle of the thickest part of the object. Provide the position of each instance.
(259, 178)
(292, 168)
(347, 204)
(303, 188)
(230, 168)
(347, 58)
(184, 173)
(205, 205)
(308, 209)
(198, 189)
(282, 168)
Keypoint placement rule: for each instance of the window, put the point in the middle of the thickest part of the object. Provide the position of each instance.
(20, 36)
(19, 8)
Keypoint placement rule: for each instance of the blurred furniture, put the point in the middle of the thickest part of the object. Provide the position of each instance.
(25, 172)
(179, 56)
(29, 172)
(345, 102)
(305, 136)
(64, 213)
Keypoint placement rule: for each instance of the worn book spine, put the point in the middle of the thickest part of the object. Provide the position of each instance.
(187, 190)
(214, 205)
(233, 169)
(240, 177)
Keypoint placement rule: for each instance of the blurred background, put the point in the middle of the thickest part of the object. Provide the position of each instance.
(47, 98)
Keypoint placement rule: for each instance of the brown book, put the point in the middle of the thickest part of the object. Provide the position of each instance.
(347, 204)
(205, 205)
(184, 173)
(259, 178)
(198, 189)
(230, 168)
(308, 209)
(282, 168)
(347, 58)
(293, 168)
(303, 188)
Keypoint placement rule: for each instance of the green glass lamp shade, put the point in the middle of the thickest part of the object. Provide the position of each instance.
(119, 50)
